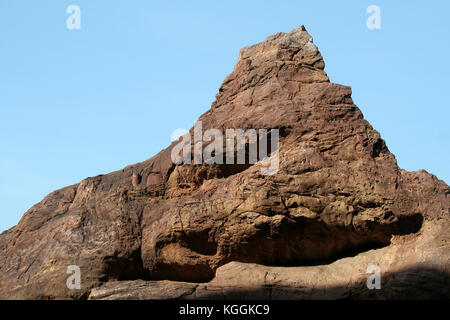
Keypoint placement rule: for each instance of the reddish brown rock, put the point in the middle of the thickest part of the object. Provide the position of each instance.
(338, 192)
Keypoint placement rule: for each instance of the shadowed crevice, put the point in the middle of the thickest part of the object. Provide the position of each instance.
(306, 242)
(124, 268)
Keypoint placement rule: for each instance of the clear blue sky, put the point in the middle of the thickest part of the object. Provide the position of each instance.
(77, 103)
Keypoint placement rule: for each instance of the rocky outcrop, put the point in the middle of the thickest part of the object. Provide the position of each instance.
(337, 203)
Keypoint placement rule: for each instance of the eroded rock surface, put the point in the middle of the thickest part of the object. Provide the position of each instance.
(338, 193)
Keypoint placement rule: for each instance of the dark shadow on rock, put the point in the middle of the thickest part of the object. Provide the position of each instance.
(416, 283)
(308, 242)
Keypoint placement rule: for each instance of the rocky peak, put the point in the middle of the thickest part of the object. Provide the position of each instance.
(338, 200)
(281, 58)
(284, 47)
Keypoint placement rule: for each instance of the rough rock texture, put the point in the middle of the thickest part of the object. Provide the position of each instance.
(143, 290)
(338, 203)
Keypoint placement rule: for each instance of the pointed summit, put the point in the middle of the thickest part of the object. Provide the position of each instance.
(275, 45)
(281, 57)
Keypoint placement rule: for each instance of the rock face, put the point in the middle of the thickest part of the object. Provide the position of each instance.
(337, 204)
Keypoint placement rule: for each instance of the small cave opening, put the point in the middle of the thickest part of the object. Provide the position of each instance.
(199, 273)
(120, 268)
(200, 242)
(378, 147)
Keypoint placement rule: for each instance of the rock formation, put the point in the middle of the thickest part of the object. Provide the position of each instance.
(337, 204)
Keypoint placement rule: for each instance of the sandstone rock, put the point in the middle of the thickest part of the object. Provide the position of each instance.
(142, 290)
(412, 267)
(338, 193)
